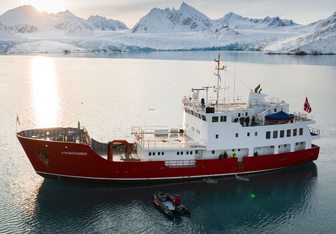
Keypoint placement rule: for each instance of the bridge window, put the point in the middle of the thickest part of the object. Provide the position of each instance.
(196, 151)
(187, 152)
(237, 135)
(213, 152)
(223, 118)
(149, 153)
(214, 118)
(216, 136)
(248, 134)
(301, 131)
(288, 132)
(153, 153)
(178, 153)
(294, 132)
(162, 153)
(181, 152)
(238, 114)
(275, 134)
(282, 133)
(203, 117)
(256, 134)
(268, 135)
(191, 152)
(159, 153)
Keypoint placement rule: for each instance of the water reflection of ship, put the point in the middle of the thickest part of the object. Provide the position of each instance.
(230, 203)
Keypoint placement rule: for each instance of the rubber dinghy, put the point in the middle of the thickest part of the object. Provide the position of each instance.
(165, 202)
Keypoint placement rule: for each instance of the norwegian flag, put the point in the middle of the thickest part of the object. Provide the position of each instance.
(306, 106)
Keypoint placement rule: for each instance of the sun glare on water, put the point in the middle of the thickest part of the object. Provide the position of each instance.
(44, 91)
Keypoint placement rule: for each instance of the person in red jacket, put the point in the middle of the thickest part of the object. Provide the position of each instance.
(177, 200)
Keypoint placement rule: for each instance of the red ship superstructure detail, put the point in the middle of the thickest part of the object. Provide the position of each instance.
(219, 137)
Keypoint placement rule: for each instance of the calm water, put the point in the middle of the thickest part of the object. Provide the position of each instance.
(109, 95)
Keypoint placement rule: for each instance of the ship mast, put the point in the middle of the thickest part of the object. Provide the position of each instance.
(218, 68)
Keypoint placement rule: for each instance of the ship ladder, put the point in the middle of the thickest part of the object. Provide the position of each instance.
(240, 167)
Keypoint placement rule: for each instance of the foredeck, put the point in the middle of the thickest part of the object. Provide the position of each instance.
(68, 134)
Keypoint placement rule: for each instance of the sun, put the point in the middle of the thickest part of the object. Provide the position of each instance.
(50, 6)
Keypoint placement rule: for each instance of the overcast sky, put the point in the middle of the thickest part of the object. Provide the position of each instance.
(130, 11)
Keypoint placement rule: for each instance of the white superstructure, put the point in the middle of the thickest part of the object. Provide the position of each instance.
(223, 128)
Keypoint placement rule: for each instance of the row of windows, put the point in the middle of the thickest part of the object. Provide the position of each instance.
(282, 133)
(178, 153)
(198, 115)
(153, 153)
(187, 152)
(248, 134)
(222, 118)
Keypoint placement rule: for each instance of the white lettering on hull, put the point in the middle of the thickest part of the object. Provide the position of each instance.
(74, 153)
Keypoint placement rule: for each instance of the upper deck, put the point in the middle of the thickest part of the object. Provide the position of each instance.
(164, 138)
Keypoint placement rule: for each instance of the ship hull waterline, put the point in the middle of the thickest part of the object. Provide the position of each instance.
(75, 161)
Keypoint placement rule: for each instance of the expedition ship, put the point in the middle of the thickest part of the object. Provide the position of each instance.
(219, 137)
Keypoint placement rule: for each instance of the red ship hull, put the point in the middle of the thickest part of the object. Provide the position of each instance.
(79, 161)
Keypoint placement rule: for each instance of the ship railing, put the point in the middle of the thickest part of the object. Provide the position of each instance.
(223, 105)
(171, 143)
(299, 116)
(314, 131)
(180, 163)
(59, 134)
(160, 143)
(266, 102)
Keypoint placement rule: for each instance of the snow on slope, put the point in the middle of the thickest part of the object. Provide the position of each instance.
(26, 15)
(320, 40)
(233, 20)
(73, 24)
(76, 27)
(25, 19)
(23, 28)
(185, 19)
(101, 23)
(6, 34)
(7, 38)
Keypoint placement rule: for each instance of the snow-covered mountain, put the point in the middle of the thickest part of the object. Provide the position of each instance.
(236, 21)
(26, 15)
(184, 19)
(28, 30)
(187, 19)
(101, 23)
(26, 19)
(320, 40)
(72, 24)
